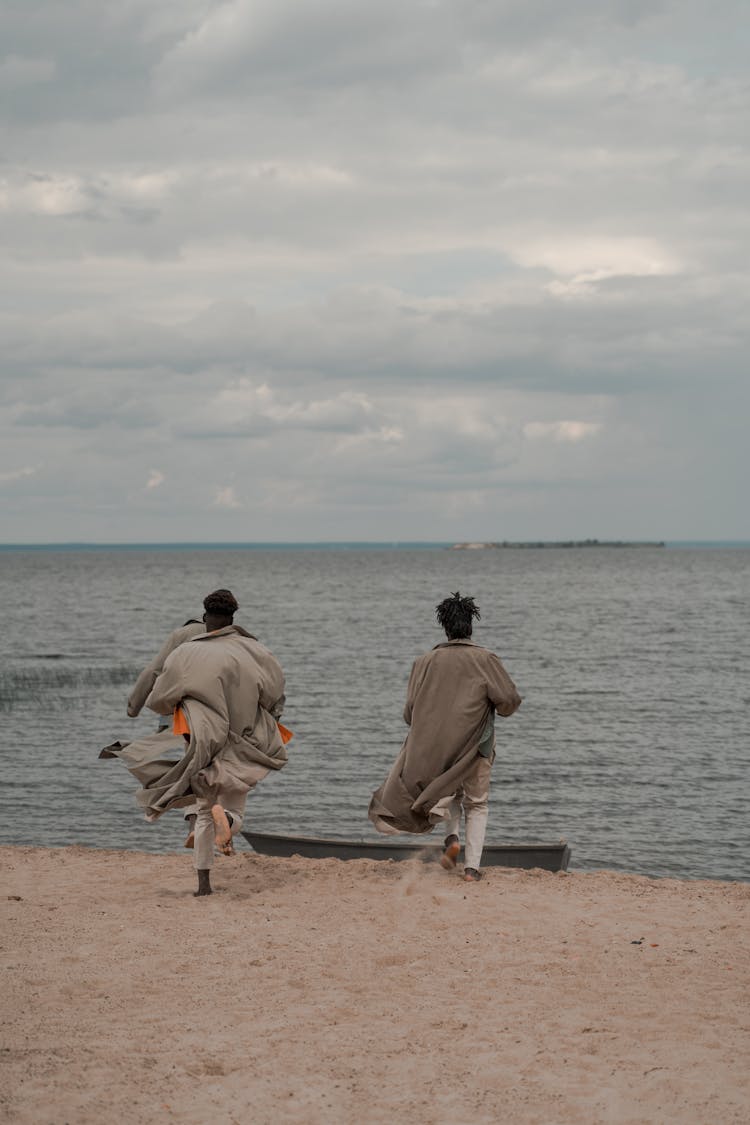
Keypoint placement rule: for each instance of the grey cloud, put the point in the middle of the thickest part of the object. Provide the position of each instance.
(19, 71)
(242, 410)
(100, 57)
(258, 45)
(617, 335)
(327, 43)
(522, 215)
(106, 406)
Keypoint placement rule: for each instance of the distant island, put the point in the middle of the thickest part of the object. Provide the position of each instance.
(507, 544)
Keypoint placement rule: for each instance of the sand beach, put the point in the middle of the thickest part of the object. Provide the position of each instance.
(323, 991)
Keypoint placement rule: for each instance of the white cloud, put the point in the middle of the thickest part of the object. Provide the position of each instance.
(19, 474)
(47, 194)
(561, 431)
(20, 71)
(584, 258)
(226, 498)
(244, 408)
(107, 195)
(155, 479)
(281, 173)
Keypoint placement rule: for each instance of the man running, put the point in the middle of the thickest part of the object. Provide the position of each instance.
(444, 765)
(225, 693)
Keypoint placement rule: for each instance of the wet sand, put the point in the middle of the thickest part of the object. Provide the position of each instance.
(321, 991)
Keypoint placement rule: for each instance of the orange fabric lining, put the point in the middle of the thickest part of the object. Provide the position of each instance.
(180, 726)
(179, 722)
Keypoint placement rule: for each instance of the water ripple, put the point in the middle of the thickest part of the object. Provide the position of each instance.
(631, 742)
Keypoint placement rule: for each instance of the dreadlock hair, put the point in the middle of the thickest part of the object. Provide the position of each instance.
(455, 615)
(221, 603)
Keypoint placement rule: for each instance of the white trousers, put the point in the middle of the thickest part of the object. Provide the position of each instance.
(473, 799)
(205, 829)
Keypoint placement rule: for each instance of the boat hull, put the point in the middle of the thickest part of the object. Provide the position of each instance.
(549, 857)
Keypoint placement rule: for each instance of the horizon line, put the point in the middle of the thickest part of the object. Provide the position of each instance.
(207, 543)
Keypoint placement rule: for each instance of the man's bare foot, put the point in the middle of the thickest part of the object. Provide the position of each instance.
(223, 831)
(190, 839)
(204, 884)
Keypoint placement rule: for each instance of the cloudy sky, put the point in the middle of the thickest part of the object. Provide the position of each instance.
(330, 269)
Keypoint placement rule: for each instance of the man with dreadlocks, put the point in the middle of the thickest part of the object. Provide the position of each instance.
(444, 765)
(225, 693)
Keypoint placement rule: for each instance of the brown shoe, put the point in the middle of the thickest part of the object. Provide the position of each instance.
(471, 875)
(450, 853)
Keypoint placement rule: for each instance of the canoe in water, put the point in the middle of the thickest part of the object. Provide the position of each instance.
(550, 857)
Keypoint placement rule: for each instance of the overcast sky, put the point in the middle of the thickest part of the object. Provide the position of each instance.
(395, 269)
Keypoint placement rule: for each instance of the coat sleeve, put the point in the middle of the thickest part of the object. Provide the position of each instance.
(147, 678)
(271, 687)
(411, 691)
(501, 691)
(169, 686)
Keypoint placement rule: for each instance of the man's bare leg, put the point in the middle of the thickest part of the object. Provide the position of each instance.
(204, 884)
(223, 830)
(190, 840)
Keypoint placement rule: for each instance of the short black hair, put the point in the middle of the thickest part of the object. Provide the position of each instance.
(221, 603)
(455, 615)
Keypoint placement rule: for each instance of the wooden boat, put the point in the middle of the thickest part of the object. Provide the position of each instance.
(550, 857)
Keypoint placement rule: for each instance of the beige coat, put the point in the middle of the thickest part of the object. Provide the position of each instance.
(231, 689)
(453, 691)
(147, 678)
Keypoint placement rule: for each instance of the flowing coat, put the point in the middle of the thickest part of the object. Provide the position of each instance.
(147, 679)
(231, 689)
(453, 692)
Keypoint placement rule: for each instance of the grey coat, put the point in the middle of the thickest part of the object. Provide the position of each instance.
(231, 689)
(453, 691)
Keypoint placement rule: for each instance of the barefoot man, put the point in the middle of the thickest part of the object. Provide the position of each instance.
(225, 693)
(454, 693)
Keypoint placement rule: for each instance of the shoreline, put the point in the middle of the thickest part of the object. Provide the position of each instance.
(176, 849)
(330, 991)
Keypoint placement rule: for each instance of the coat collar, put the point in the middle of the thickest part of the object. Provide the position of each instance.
(227, 631)
(461, 641)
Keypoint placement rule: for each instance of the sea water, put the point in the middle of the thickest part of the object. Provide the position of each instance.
(632, 740)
